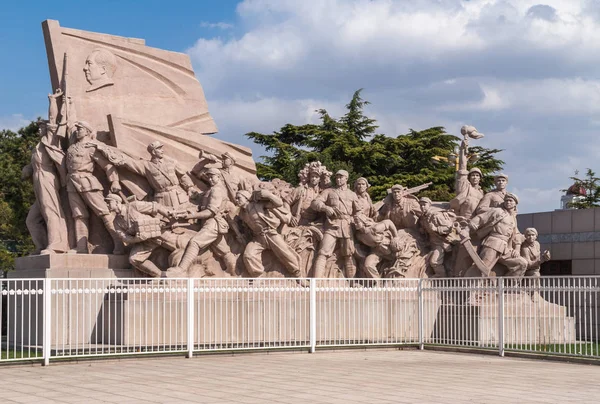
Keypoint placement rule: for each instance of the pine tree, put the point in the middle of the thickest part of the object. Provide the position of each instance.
(353, 144)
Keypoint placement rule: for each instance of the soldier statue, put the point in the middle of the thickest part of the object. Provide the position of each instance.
(85, 190)
(213, 226)
(437, 224)
(138, 224)
(263, 212)
(494, 198)
(339, 204)
(301, 197)
(170, 183)
(401, 208)
(467, 188)
(497, 227)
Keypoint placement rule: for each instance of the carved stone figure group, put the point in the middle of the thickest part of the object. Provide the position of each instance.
(211, 219)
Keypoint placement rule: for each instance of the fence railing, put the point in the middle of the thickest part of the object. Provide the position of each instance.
(65, 318)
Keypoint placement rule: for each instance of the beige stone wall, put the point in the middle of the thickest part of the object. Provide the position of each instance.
(569, 235)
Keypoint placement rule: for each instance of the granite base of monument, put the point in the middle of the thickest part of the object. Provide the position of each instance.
(256, 316)
(72, 266)
(527, 321)
(74, 312)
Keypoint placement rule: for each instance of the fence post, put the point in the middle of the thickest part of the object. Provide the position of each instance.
(47, 321)
(500, 287)
(190, 317)
(421, 331)
(313, 314)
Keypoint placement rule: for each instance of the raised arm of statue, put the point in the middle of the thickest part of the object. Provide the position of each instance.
(53, 107)
(184, 179)
(119, 159)
(57, 155)
(462, 154)
(109, 169)
(205, 159)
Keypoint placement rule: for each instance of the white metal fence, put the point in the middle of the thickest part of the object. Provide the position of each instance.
(65, 318)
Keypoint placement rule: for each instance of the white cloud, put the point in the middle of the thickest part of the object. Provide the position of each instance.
(13, 122)
(524, 72)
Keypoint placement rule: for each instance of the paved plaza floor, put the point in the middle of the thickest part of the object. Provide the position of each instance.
(349, 376)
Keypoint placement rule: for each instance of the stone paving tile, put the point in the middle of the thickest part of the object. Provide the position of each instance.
(372, 376)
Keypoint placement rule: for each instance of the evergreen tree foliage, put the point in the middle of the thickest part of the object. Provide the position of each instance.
(353, 144)
(16, 195)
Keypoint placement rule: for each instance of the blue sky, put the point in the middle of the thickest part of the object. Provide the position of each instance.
(524, 72)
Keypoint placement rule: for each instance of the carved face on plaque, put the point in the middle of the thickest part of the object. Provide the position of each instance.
(99, 68)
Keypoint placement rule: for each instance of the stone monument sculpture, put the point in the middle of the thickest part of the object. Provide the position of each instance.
(142, 167)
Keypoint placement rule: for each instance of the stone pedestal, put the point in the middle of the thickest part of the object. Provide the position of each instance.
(527, 321)
(74, 312)
(226, 317)
(72, 266)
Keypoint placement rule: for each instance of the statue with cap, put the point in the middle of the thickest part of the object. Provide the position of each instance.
(225, 165)
(437, 224)
(501, 240)
(84, 190)
(300, 199)
(170, 183)
(401, 208)
(494, 198)
(339, 204)
(213, 226)
(530, 250)
(263, 212)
